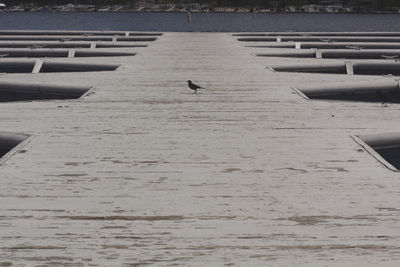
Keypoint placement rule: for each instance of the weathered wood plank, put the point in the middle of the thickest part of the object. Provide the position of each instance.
(244, 172)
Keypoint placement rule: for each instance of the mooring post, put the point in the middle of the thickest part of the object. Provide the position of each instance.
(253, 11)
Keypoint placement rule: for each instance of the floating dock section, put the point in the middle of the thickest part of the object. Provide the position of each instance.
(128, 167)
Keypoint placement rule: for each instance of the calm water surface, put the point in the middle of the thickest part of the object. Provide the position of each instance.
(213, 22)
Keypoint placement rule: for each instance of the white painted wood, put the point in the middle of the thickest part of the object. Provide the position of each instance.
(318, 53)
(245, 172)
(38, 65)
(349, 67)
(373, 153)
(71, 53)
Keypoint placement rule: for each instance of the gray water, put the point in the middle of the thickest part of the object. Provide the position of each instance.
(213, 22)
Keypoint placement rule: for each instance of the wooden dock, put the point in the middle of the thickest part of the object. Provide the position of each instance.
(244, 173)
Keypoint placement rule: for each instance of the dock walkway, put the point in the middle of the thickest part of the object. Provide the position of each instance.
(244, 173)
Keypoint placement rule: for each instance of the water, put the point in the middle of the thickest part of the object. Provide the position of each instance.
(213, 22)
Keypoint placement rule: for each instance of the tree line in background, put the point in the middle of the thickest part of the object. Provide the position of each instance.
(282, 4)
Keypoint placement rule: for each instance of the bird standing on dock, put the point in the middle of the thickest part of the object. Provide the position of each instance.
(194, 86)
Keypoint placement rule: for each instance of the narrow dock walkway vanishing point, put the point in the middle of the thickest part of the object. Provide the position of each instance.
(248, 172)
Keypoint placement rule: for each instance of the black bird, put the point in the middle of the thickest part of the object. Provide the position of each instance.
(194, 86)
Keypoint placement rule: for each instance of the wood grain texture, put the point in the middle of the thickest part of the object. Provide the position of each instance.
(243, 173)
